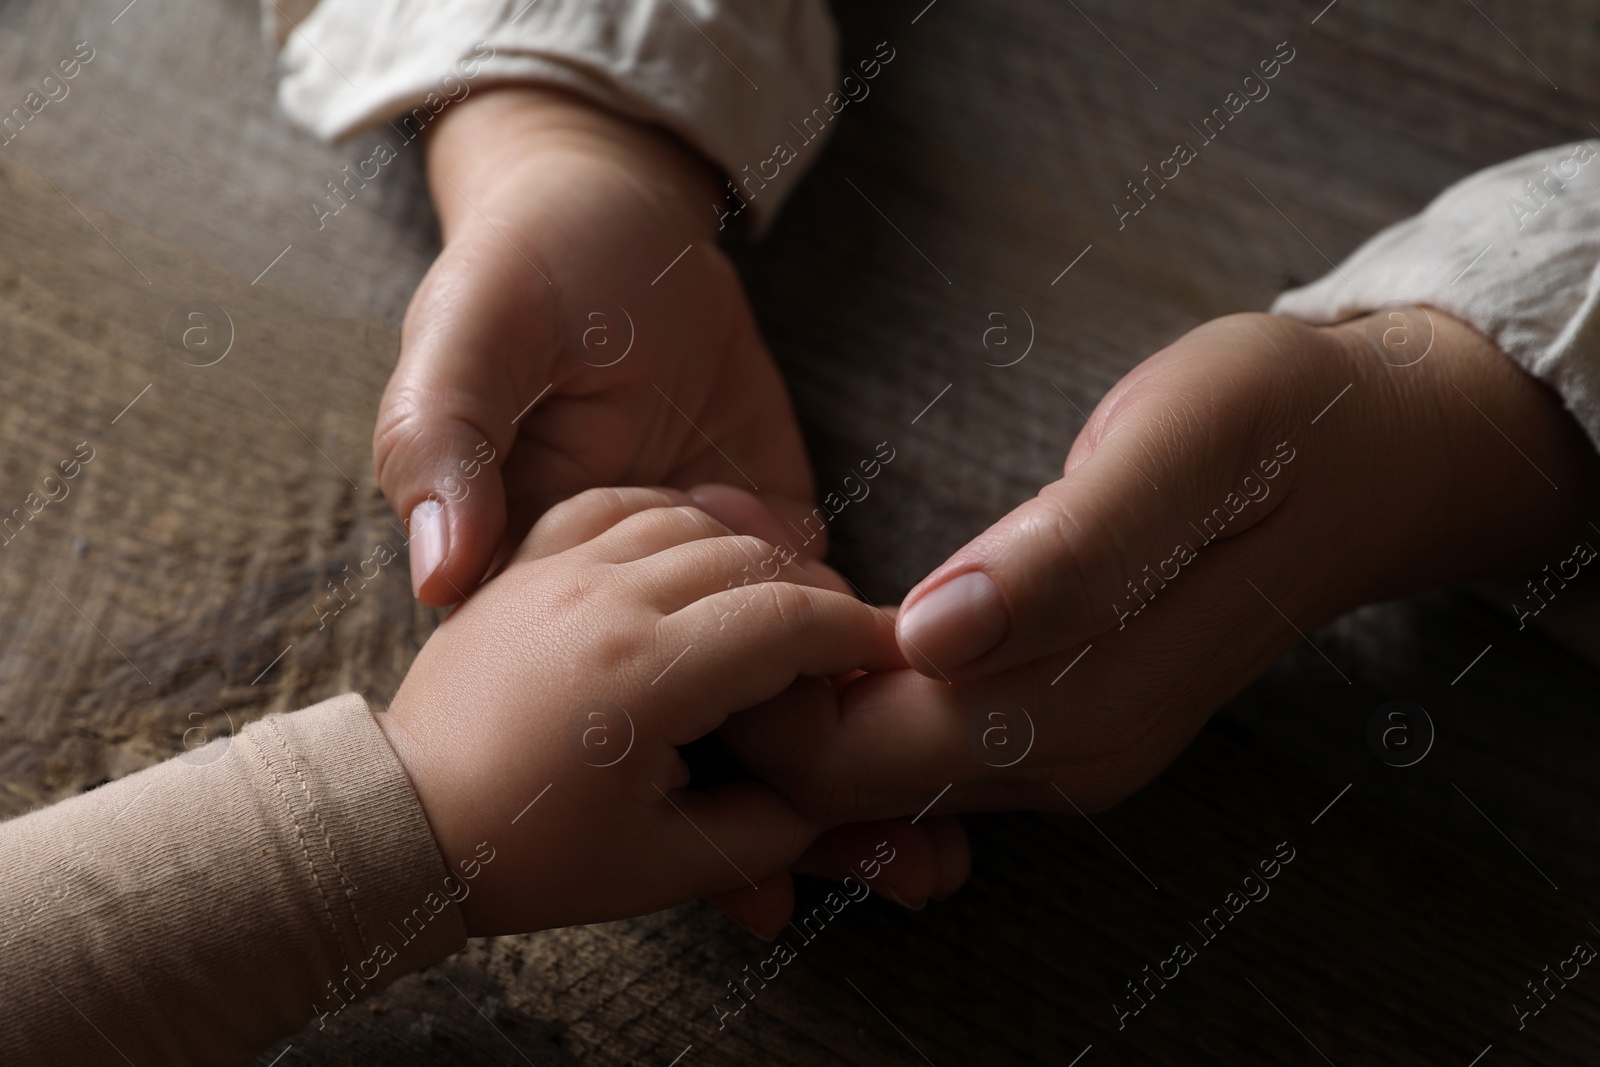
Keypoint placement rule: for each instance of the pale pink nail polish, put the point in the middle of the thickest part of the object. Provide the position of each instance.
(430, 542)
(957, 622)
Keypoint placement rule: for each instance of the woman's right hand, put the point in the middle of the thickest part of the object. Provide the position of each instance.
(1236, 490)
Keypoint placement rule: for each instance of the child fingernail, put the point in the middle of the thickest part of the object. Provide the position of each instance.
(957, 621)
(430, 542)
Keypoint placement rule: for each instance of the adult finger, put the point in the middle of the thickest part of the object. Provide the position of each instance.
(1039, 736)
(470, 365)
(1186, 451)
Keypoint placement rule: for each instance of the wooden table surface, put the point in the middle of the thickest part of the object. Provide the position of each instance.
(173, 586)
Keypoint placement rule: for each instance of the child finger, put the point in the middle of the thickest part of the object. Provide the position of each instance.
(650, 532)
(746, 513)
(740, 647)
(683, 573)
(591, 513)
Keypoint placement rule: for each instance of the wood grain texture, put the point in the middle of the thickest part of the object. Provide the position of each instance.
(190, 550)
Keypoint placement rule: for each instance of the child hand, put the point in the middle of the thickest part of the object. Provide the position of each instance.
(580, 275)
(538, 723)
(1235, 491)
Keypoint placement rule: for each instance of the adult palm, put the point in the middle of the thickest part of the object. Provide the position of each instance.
(580, 328)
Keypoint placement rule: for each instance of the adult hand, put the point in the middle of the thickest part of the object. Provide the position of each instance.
(1236, 490)
(580, 328)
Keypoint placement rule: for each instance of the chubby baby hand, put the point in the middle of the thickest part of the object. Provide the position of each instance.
(540, 722)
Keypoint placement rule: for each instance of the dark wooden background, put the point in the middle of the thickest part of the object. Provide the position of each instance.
(185, 561)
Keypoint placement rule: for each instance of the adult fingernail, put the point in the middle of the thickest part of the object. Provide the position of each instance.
(892, 895)
(430, 542)
(957, 621)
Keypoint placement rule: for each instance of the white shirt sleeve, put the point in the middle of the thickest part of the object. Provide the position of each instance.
(728, 76)
(1514, 251)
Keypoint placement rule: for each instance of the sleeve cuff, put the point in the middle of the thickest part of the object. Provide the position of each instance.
(728, 76)
(199, 909)
(1514, 251)
(369, 854)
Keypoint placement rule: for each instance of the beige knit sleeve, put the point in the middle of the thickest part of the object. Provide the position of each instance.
(198, 910)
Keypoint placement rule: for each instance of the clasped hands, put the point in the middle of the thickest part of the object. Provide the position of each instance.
(581, 329)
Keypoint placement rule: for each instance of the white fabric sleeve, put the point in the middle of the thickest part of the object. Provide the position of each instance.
(727, 76)
(1513, 251)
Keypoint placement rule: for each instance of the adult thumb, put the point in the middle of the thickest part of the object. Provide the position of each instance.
(1189, 449)
(473, 352)
(441, 473)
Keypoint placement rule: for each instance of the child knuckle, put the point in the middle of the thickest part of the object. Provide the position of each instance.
(680, 523)
(754, 547)
(789, 607)
(580, 506)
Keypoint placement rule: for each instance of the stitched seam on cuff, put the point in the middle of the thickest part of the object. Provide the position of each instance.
(350, 887)
(305, 849)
